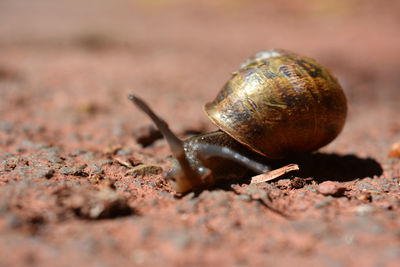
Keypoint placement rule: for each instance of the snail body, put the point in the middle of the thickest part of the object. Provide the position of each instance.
(276, 104)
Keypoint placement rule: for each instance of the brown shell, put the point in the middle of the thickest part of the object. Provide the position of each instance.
(278, 103)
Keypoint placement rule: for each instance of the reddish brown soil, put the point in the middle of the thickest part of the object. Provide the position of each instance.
(67, 130)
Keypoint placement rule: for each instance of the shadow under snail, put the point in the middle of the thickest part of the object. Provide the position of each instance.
(277, 104)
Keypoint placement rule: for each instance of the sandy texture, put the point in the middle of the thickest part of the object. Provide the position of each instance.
(74, 190)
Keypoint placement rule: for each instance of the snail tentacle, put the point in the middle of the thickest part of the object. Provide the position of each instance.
(175, 144)
(210, 150)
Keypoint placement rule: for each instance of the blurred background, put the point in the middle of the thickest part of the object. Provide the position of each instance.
(69, 135)
(69, 64)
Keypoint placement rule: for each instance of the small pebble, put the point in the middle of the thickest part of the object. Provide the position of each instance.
(143, 170)
(329, 188)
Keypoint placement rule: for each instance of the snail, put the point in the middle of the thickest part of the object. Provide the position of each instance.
(276, 104)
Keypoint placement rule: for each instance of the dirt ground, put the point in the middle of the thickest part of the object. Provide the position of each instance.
(69, 137)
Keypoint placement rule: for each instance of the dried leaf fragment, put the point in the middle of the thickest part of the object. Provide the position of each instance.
(124, 163)
(271, 175)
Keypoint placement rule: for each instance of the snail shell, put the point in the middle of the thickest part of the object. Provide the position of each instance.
(279, 103)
